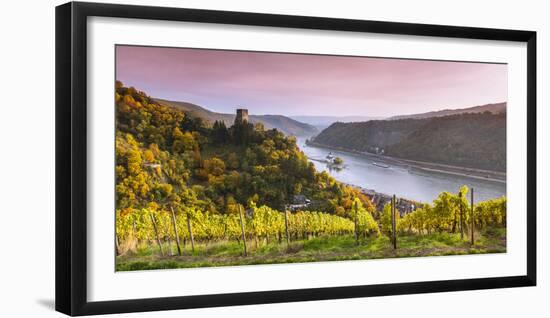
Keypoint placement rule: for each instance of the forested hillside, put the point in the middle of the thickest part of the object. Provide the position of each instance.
(364, 136)
(322, 122)
(165, 158)
(475, 140)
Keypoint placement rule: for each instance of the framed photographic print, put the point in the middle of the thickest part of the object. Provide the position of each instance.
(211, 158)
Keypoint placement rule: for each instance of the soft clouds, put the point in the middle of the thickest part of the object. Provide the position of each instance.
(298, 84)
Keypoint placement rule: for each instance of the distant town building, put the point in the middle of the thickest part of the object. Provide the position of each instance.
(299, 202)
(242, 116)
(300, 199)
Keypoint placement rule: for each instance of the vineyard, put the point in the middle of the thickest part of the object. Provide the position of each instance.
(174, 233)
(148, 225)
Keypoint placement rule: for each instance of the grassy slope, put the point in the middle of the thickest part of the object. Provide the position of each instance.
(335, 248)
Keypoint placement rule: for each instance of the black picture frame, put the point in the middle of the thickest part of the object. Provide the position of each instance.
(71, 157)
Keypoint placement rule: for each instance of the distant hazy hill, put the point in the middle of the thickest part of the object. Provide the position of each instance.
(493, 108)
(476, 140)
(285, 124)
(364, 136)
(322, 122)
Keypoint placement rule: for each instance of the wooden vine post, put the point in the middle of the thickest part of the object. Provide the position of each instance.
(286, 228)
(117, 246)
(242, 229)
(355, 225)
(175, 230)
(393, 227)
(461, 217)
(190, 229)
(156, 233)
(472, 216)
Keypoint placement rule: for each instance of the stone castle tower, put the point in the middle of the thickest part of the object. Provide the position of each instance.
(242, 116)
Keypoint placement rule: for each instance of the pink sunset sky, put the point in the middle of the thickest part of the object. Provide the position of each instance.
(300, 84)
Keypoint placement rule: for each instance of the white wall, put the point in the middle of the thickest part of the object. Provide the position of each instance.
(27, 157)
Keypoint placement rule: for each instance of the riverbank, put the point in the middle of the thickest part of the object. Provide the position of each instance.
(479, 174)
(379, 200)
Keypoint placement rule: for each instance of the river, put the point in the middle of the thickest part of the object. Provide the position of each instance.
(400, 180)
